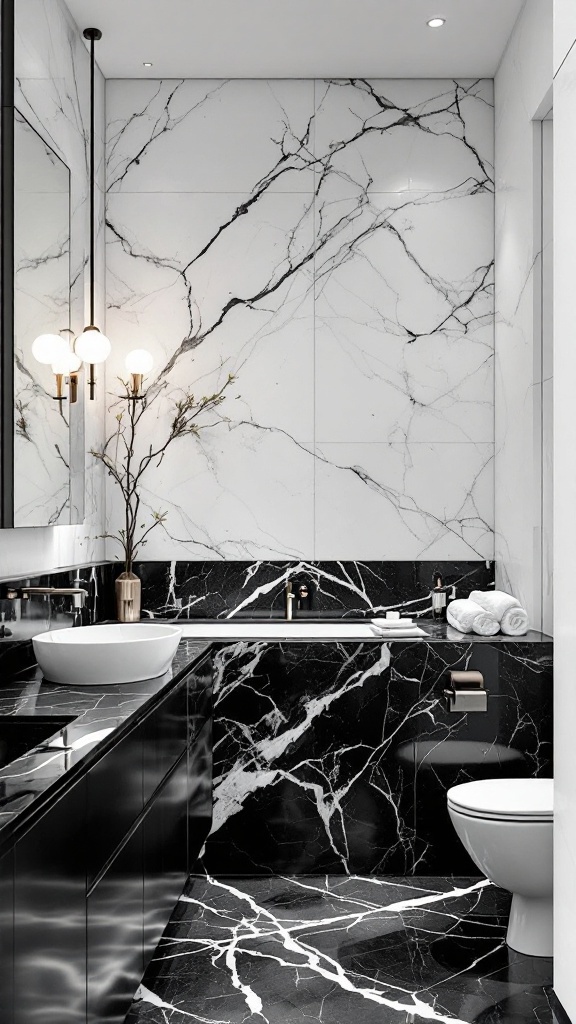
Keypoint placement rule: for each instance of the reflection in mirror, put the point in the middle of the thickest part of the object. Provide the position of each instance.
(41, 306)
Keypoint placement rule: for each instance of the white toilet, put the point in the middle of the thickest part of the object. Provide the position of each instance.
(506, 827)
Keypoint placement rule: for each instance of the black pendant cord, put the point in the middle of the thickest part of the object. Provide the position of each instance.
(92, 189)
(92, 34)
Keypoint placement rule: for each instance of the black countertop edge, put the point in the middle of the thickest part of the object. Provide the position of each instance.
(13, 824)
(437, 631)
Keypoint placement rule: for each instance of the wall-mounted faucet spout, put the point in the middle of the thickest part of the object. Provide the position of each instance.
(23, 593)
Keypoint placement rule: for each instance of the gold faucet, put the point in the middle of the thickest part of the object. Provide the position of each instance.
(289, 601)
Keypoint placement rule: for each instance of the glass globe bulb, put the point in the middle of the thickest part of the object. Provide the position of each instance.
(48, 348)
(92, 346)
(67, 363)
(139, 361)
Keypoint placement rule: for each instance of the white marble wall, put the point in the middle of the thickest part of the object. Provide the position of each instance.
(565, 504)
(330, 244)
(52, 91)
(522, 85)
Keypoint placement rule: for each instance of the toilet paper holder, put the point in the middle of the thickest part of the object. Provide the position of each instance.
(466, 692)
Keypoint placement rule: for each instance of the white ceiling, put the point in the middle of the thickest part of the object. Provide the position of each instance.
(298, 38)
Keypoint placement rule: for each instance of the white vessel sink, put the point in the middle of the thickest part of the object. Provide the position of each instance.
(280, 629)
(100, 655)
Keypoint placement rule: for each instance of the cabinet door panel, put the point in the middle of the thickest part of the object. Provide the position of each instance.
(50, 915)
(165, 854)
(114, 799)
(114, 935)
(165, 735)
(200, 782)
(7, 938)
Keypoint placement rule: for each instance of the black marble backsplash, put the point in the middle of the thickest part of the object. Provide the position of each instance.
(217, 589)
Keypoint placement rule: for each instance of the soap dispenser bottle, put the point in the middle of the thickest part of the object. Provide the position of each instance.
(438, 596)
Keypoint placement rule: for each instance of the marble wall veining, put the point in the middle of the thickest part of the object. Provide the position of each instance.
(330, 243)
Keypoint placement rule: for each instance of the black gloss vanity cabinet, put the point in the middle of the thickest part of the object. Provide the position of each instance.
(94, 881)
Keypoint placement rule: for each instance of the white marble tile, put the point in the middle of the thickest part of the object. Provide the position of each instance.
(345, 314)
(237, 492)
(208, 301)
(426, 135)
(210, 136)
(423, 500)
(404, 321)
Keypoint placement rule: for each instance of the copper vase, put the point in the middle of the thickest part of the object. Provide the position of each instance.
(128, 597)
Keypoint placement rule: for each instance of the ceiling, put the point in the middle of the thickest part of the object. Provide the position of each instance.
(298, 38)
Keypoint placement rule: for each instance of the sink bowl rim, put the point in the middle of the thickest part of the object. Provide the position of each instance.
(107, 634)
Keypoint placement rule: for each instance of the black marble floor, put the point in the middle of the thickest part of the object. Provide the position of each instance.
(341, 950)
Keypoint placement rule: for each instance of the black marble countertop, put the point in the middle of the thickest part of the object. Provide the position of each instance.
(443, 631)
(95, 717)
(435, 630)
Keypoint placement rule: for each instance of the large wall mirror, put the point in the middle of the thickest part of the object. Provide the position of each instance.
(41, 306)
(42, 435)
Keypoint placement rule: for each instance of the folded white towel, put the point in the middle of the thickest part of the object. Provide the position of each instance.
(392, 623)
(495, 602)
(506, 609)
(515, 621)
(469, 617)
(399, 633)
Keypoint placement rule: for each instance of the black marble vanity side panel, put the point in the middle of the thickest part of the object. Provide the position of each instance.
(337, 757)
(218, 589)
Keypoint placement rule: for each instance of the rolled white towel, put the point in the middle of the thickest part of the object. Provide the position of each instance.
(469, 617)
(515, 621)
(495, 602)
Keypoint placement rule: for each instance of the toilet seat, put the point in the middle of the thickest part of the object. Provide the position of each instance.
(505, 799)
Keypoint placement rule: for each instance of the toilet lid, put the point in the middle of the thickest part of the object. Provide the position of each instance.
(505, 799)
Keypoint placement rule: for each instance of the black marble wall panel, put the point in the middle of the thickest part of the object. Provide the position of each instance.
(336, 757)
(212, 589)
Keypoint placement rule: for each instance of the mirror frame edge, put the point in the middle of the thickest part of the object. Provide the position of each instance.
(7, 265)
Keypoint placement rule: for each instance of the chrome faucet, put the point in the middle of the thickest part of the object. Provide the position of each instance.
(290, 598)
(79, 595)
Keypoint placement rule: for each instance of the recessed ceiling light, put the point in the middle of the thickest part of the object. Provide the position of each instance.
(436, 22)
(147, 63)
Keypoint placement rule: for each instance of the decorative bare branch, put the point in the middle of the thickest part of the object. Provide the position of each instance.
(126, 467)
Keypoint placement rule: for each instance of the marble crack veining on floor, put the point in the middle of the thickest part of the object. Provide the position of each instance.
(341, 950)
